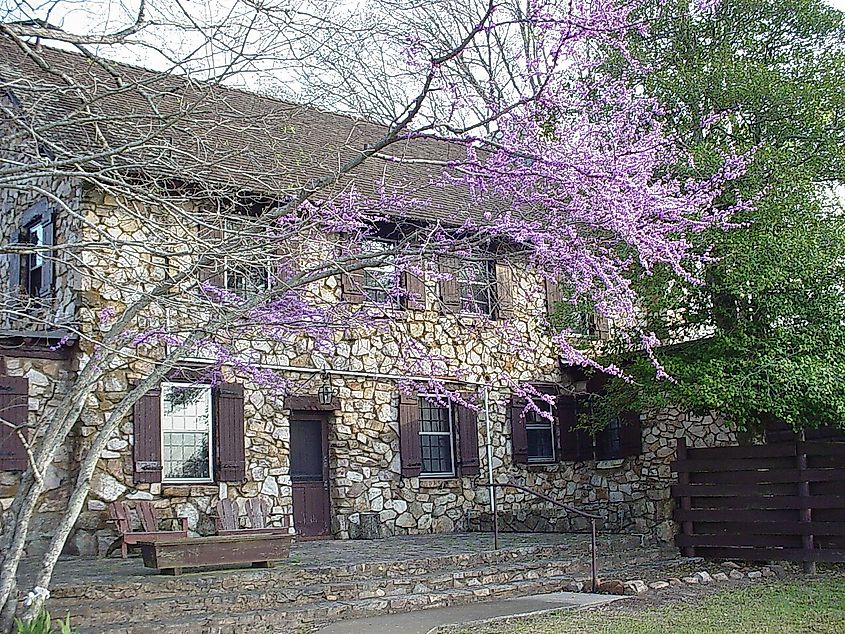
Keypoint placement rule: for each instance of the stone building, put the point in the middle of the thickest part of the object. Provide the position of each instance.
(348, 444)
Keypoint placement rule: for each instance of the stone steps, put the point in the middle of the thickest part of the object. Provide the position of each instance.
(225, 581)
(294, 596)
(311, 616)
(241, 599)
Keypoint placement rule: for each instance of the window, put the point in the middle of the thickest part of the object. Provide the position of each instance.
(476, 280)
(249, 272)
(437, 450)
(540, 433)
(609, 439)
(584, 323)
(33, 281)
(186, 432)
(32, 273)
(246, 279)
(379, 282)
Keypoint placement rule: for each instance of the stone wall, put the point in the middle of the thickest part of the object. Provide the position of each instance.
(632, 495)
(29, 189)
(48, 381)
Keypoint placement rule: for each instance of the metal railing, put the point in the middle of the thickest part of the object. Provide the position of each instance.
(568, 508)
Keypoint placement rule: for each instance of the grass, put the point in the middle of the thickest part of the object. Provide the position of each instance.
(804, 606)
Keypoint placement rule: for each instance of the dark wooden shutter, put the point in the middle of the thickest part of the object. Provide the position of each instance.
(415, 290)
(553, 296)
(15, 266)
(409, 434)
(468, 439)
(504, 290)
(574, 444)
(213, 270)
(519, 435)
(631, 434)
(449, 291)
(14, 398)
(146, 424)
(48, 228)
(352, 282)
(230, 463)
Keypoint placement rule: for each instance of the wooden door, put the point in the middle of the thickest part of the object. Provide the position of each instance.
(309, 471)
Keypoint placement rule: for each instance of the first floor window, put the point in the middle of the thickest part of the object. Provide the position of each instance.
(609, 440)
(437, 450)
(186, 432)
(540, 432)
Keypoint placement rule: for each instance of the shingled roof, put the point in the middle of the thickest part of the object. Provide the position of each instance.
(103, 114)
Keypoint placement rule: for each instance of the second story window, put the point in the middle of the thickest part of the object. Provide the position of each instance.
(32, 273)
(246, 279)
(476, 286)
(380, 281)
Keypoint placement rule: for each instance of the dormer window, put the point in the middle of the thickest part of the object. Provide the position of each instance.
(32, 273)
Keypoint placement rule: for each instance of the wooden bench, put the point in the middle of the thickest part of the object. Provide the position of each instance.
(259, 550)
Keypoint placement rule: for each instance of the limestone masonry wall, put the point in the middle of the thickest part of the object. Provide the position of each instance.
(632, 495)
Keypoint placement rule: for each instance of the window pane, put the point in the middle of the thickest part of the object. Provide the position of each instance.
(613, 434)
(540, 432)
(186, 456)
(433, 418)
(186, 431)
(436, 453)
(540, 444)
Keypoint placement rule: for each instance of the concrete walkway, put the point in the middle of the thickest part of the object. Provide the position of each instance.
(425, 621)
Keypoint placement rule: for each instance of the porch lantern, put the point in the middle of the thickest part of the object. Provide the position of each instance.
(325, 393)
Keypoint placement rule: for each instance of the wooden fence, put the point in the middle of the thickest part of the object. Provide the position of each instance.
(779, 502)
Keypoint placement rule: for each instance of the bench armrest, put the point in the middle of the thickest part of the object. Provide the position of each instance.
(183, 523)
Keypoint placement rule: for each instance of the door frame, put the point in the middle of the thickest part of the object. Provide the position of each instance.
(323, 418)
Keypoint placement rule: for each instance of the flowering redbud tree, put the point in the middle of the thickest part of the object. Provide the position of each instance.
(483, 127)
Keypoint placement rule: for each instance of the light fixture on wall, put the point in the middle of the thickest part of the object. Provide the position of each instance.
(325, 393)
(580, 386)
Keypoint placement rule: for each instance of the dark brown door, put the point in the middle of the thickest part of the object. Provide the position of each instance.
(309, 472)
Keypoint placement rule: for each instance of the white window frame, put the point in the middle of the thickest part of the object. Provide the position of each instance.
(545, 424)
(210, 401)
(446, 474)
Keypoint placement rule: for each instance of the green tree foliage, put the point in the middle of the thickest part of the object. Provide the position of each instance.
(763, 337)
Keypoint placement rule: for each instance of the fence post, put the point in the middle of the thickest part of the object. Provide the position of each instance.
(806, 513)
(686, 502)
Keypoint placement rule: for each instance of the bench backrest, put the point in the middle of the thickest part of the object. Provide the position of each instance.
(148, 516)
(227, 515)
(119, 513)
(257, 509)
